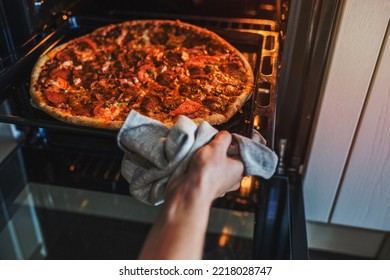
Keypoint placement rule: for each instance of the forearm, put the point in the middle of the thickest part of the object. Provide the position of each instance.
(179, 230)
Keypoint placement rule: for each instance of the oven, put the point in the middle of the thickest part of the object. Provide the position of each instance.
(61, 191)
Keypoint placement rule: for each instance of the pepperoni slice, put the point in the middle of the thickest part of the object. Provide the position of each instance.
(173, 56)
(167, 79)
(99, 110)
(62, 83)
(232, 68)
(187, 107)
(59, 73)
(54, 96)
(63, 56)
(213, 104)
(91, 43)
(191, 89)
(159, 38)
(150, 103)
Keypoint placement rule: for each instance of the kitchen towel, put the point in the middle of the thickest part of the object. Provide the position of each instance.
(155, 154)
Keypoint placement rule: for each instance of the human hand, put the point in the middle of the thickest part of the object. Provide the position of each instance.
(211, 171)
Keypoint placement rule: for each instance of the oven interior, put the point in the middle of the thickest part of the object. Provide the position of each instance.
(51, 154)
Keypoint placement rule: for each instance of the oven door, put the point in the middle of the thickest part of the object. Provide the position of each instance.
(280, 230)
(73, 204)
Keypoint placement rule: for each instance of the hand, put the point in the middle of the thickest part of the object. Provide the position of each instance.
(211, 170)
(179, 230)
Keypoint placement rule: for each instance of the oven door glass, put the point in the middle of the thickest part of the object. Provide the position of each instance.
(70, 205)
(67, 204)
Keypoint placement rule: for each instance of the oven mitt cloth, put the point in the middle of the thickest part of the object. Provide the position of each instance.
(155, 154)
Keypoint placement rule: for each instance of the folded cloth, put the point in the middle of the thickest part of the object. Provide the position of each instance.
(155, 154)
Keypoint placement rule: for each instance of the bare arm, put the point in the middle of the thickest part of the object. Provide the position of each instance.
(180, 228)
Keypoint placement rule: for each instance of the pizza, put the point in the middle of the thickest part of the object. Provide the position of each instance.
(160, 68)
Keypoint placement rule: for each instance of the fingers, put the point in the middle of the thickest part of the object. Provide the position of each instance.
(214, 169)
(232, 164)
(216, 148)
(236, 169)
(221, 140)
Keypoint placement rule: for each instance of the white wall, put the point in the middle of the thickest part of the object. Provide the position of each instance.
(351, 70)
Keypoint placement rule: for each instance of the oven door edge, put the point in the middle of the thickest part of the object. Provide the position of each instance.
(280, 228)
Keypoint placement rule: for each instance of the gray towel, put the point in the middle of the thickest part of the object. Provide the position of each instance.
(155, 154)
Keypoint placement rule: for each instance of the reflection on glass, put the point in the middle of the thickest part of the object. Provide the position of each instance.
(224, 238)
(246, 185)
(44, 217)
(21, 237)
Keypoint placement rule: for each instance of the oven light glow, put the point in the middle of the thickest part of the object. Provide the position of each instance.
(257, 122)
(39, 3)
(224, 238)
(267, 7)
(246, 185)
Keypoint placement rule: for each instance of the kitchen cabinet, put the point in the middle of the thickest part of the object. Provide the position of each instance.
(364, 197)
(347, 171)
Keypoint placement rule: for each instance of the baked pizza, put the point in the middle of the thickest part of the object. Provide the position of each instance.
(160, 68)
